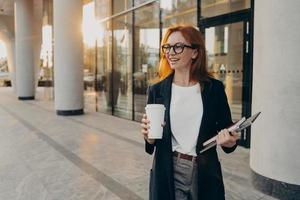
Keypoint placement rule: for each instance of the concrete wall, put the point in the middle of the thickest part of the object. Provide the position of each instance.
(275, 137)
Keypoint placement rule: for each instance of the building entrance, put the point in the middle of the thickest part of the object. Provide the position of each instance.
(228, 49)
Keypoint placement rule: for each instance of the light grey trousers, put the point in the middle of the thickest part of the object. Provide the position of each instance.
(185, 179)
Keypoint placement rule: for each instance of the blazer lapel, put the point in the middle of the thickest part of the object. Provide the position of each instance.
(166, 92)
(205, 102)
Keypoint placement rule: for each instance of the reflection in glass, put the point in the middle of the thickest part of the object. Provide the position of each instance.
(121, 5)
(146, 51)
(122, 66)
(138, 2)
(210, 8)
(179, 12)
(225, 60)
(89, 40)
(116, 66)
(104, 69)
(102, 8)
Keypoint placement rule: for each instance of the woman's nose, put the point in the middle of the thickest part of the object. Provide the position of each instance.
(172, 52)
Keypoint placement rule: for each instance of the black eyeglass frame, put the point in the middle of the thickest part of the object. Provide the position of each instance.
(182, 45)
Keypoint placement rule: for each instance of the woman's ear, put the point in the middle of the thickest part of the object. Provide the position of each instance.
(194, 54)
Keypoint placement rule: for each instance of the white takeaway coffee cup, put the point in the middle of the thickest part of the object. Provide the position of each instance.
(155, 114)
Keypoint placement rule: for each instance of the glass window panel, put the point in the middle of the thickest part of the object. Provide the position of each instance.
(89, 77)
(103, 8)
(104, 68)
(89, 41)
(179, 12)
(122, 66)
(225, 60)
(146, 51)
(210, 8)
(121, 5)
(138, 2)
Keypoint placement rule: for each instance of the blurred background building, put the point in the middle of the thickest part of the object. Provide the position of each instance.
(101, 55)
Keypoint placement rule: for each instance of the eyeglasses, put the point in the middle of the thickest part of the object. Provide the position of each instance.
(177, 48)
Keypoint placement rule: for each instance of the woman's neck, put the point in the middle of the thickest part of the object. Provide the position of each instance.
(182, 78)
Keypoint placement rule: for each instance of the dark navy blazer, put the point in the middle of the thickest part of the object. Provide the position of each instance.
(216, 116)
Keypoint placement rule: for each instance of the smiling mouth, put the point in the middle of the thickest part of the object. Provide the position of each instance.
(173, 60)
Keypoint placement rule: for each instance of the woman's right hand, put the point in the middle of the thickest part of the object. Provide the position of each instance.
(145, 127)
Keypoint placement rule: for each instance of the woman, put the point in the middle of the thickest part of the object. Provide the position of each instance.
(196, 109)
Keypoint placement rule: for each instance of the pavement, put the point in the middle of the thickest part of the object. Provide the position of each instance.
(94, 156)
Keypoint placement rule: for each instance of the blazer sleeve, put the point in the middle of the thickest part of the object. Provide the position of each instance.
(224, 114)
(149, 148)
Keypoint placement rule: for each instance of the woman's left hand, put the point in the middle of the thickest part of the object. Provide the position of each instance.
(226, 139)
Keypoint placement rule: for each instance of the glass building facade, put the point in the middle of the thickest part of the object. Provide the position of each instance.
(123, 60)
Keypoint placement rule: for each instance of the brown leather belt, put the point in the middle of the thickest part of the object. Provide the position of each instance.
(184, 156)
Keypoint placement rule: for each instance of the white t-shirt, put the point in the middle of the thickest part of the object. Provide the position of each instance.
(186, 110)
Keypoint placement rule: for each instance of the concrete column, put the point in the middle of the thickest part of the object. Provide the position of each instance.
(25, 59)
(274, 154)
(68, 57)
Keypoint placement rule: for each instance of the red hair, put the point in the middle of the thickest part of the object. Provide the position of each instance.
(198, 70)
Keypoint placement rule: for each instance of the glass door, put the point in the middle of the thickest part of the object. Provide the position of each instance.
(146, 54)
(121, 89)
(228, 60)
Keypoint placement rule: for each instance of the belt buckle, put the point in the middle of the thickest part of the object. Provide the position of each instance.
(189, 157)
(185, 156)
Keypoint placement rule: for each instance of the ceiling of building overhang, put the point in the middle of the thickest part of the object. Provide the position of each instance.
(6, 18)
(7, 7)
(7, 15)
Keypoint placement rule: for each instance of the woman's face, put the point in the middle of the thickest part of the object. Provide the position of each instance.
(179, 56)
